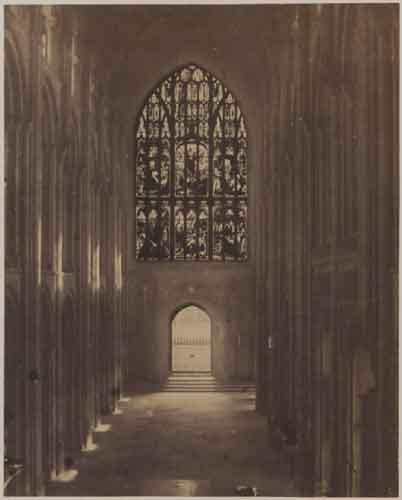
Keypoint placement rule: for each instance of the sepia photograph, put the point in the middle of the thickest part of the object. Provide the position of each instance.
(201, 247)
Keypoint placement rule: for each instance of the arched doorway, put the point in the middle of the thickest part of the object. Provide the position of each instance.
(191, 340)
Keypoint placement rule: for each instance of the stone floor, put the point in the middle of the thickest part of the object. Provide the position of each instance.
(166, 444)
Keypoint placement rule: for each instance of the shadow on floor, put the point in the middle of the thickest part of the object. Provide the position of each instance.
(167, 444)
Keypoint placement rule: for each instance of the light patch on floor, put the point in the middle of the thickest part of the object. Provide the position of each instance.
(102, 428)
(181, 444)
(67, 476)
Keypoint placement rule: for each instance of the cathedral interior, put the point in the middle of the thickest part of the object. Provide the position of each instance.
(201, 250)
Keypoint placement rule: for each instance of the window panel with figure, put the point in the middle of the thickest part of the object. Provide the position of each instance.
(191, 151)
(153, 231)
(203, 239)
(230, 231)
(191, 234)
(179, 231)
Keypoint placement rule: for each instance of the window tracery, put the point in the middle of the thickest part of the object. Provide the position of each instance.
(191, 171)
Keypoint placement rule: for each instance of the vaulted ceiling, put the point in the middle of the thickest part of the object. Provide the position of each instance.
(133, 42)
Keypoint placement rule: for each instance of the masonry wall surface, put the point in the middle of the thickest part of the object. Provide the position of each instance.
(317, 300)
(225, 290)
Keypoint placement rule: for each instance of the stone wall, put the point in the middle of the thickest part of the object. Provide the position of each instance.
(317, 299)
(327, 265)
(65, 234)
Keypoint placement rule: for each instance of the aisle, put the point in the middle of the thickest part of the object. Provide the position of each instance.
(180, 444)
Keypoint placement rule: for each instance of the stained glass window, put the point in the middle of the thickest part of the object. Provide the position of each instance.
(191, 171)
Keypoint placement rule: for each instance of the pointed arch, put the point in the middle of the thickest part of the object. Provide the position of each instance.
(14, 81)
(14, 85)
(70, 198)
(49, 174)
(191, 339)
(191, 171)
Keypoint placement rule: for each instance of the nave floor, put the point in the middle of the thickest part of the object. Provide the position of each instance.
(167, 444)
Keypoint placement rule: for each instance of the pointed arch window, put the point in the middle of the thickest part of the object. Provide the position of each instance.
(191, 171)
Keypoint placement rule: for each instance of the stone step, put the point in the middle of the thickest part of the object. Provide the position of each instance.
(207, 386)
(195, 380)
(207, 389)
(192, 379)
(198, 382)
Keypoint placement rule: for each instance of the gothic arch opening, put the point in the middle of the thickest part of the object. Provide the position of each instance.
(191, 340)
(13, 142)
(48, 123)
